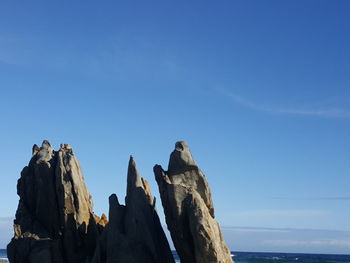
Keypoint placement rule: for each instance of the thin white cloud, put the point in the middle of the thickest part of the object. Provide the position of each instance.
(255, 229)
(283, 213)
(295, 240)
(324, 113)
(308, 243)
(336, 198)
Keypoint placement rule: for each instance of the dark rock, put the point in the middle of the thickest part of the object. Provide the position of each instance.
(189, 210)
(134, 233)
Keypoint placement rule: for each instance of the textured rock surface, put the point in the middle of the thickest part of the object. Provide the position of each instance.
(54, 220)
(189, 210)
(134, 233)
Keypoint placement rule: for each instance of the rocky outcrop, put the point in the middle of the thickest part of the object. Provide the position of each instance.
(189, 210)
(55, 222)
(54, 219)
(134, 233)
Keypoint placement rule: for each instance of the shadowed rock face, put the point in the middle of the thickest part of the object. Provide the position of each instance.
(54, 220)
(134, 233)
(189, 210)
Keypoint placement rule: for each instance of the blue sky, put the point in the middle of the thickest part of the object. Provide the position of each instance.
(258, 89)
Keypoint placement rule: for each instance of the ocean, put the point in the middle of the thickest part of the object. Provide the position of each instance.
(259, 257)
(3, 255)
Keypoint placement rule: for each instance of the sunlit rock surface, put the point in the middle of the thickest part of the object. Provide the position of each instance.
(189, 210)
(54, 220)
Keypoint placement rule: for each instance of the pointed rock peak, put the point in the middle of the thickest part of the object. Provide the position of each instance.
(181, 146)
(134, 178)
(66, 148)
(114, 207)
(113, 200)
(189, 210)
(102, 221)
(181, 158)
(45, 152)
(45, 144)
(104, 217)
(35, 149)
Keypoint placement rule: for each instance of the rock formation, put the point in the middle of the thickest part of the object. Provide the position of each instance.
(134, 233)
(189, 210)
(54, 219)
(55, 223)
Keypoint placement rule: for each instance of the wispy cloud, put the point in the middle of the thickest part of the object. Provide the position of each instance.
(255, 229)
(336, 198)
(283, 213)
(343, 233)
(309, 243)
(300, 240)
(316, 112)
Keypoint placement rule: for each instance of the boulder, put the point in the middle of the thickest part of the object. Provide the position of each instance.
(54, 220)
(189, 210)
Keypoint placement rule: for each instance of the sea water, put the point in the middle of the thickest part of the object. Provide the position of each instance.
(248, 257)
(254, 257)
(259, 257)
(3, 255)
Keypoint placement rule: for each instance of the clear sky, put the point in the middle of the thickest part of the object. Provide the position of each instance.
(260, 90)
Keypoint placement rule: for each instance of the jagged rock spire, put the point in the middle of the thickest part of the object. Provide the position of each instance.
(134, 179)
(189, 209)
(54, 220)
(134, 233)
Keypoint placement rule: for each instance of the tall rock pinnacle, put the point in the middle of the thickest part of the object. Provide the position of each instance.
(54, 220)
(189, 210)
(134, 233)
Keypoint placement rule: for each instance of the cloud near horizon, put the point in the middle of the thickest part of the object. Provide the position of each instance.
(293, 240)
(329, 198)
(319, 112)
(309, 243)
(283, 213)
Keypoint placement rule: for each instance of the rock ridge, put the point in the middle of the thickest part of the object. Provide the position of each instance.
(55, 222)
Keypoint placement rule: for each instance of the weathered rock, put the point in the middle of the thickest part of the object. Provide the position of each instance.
(55, 223)
(54, 219)
(101, 221)
(189, 210)
(134, 233)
